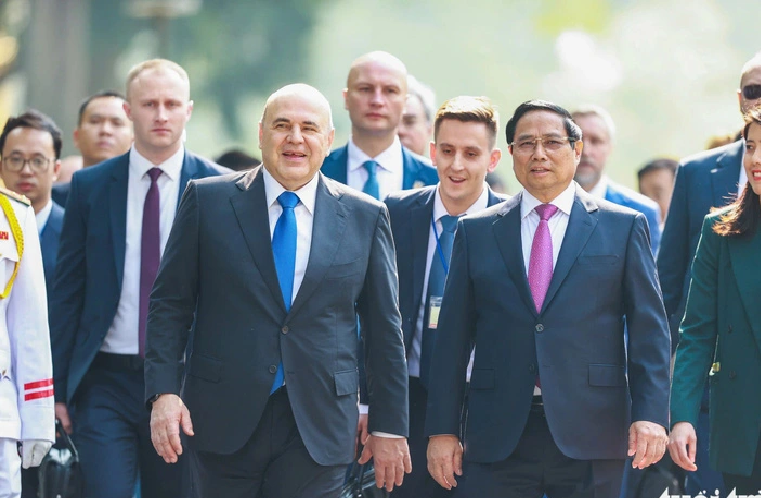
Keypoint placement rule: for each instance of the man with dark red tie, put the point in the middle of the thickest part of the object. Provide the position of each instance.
(120, 215)
(540, 286)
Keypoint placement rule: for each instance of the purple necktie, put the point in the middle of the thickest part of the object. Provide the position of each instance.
(150, 252)
(540, 264)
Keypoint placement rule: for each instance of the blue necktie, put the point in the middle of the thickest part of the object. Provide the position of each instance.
(436, 279)
(284, 251)
(371, 185)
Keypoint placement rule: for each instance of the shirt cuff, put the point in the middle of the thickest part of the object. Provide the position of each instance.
(386, 434)
(363, 409)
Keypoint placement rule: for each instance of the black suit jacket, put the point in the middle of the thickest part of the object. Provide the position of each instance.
(90, 266)
(49, 240)
(411, 213)
(60, 193)
(218, 267)
(595, 378)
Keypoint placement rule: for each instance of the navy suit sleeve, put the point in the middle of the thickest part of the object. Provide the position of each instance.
(386, 366)
(654, 223)
(173, 301)
(649, 344)
(674, 253)
(67, 300)
(446, 390)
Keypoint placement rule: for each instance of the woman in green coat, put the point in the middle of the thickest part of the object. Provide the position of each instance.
(721, 336)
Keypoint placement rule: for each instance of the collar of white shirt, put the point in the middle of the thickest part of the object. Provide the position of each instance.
(390, 159)
(139, 165)
(481, 203)
(306, 193)
(43, 216)
(601, 189)
(564, 201)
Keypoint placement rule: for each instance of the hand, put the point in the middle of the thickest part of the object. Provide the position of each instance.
(392, 459)
(647, 443)
(683, 445)
(361, 432)
(62, 414)
(33, 451)
(444, 459)
(167, 414)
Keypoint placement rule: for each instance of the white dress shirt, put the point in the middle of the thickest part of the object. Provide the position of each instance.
(304, 212)
(43, 216)
(413, 362)
(390, 170)
(557, 225)
(122, 336)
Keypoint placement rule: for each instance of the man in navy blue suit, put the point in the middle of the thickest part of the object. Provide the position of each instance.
(374, 161)
(463, 150)
(703, 181)
(598, 130)
(30, 145)
(540, 286)
(117, 221)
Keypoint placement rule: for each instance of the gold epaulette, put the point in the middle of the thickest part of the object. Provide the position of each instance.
(15, 196)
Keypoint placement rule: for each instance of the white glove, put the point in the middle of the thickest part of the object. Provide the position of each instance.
(33, 451)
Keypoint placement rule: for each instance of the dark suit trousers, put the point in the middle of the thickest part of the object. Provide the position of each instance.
(113, 436)
(419, 484)
(537, 468)
(274, 463)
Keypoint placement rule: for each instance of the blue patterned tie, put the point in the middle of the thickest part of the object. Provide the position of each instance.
(284, 251)
(436, 279)
(371, 185)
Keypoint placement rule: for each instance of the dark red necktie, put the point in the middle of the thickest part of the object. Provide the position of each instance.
(150, 252)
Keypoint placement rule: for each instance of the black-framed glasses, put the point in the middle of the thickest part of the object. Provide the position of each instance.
(551, 143)
(16, 163)
(752, 92)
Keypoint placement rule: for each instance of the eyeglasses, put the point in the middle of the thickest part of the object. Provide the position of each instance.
(38, 164)
(752, 92)
(528, 145)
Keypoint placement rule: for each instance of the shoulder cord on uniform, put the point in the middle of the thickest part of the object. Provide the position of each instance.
(18, 236)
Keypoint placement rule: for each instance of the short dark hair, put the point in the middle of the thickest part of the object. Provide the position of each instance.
(659, 163)
(34, 120)
(237, 160)
(100, 95)
(571, 128)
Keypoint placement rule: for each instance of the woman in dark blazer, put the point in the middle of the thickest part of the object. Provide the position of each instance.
(721, 335)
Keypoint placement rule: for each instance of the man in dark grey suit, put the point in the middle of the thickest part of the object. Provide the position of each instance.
(540, 285)
(273, 381)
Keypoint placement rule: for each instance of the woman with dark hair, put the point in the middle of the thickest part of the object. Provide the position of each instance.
(721, 336)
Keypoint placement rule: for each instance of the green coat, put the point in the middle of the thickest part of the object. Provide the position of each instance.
(722, 327)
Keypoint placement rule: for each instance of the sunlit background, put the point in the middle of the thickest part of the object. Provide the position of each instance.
(667, 70)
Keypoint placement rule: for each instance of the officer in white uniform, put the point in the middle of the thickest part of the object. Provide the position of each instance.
(26, 370)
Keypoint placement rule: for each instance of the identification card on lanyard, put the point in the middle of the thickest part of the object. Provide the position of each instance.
(434, 303)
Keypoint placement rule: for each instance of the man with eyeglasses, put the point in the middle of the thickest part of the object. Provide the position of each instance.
(704, 181)
(540, 285)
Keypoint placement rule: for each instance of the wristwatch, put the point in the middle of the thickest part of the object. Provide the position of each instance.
(154, 398)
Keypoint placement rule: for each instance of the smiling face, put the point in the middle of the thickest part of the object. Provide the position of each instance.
(295, 135)
(462, 153)
(544, 173)
(752, 157)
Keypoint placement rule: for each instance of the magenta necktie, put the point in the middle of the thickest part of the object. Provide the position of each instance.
(150, 252)
(540, 264)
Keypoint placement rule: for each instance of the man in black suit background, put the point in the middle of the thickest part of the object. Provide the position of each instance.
(463, 151)
(273, 381)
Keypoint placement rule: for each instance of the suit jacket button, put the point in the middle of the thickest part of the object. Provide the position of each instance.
(732, 374)
(532, 368)
(729, 329)
(539, 328)
(284, 330)
(273, 369)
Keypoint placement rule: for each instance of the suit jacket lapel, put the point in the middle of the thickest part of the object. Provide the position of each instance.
(507, 231)
(419, 224)
(117, 194)
(338, 167)
(743, 254)
(252, 212)
(725, 176)
(581, 224)
(330, 216)
(188, 172)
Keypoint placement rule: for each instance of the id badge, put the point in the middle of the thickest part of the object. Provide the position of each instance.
(433, 312)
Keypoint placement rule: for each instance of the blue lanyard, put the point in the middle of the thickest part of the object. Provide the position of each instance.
(439, 250)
